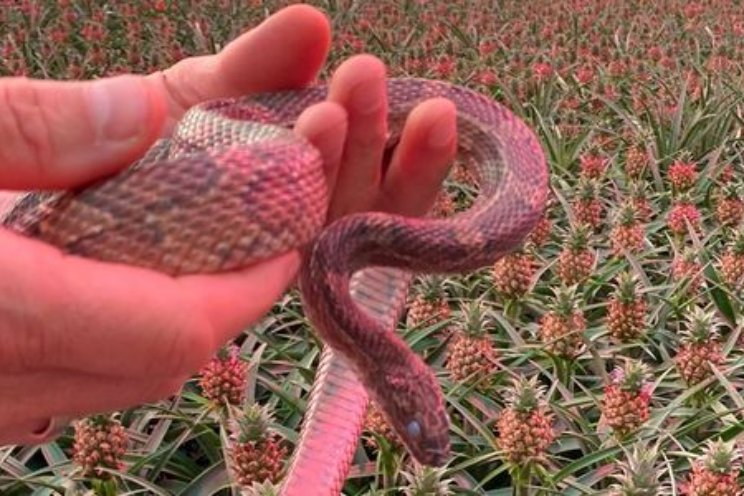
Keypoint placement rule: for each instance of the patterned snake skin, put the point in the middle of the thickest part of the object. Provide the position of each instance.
(234, 185)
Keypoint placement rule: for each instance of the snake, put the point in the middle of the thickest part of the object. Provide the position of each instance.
(234, 185)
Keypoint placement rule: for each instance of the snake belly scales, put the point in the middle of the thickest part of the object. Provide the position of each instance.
(235, 185)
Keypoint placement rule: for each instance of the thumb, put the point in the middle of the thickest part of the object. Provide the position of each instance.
(58, 133)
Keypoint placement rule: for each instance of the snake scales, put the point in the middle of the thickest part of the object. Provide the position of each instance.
(234, 185)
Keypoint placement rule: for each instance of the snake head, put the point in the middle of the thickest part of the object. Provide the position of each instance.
(412, 402)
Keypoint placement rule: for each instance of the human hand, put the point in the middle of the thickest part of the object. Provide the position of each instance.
(79, 336)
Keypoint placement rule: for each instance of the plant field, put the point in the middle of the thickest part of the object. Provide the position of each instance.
(604, 357)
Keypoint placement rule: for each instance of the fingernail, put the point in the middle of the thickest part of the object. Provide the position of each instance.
(119, 109)
(368, 96)
(442, 133)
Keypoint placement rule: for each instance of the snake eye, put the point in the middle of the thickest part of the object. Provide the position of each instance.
(414, 429)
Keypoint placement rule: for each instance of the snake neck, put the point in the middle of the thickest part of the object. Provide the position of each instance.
(325, 287)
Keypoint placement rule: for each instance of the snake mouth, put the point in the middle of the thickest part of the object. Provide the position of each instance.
(436, 458)
(435, 452)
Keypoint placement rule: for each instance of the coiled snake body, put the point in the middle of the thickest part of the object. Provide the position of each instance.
(234, 185)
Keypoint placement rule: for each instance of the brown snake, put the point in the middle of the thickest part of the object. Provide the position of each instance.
(234, 185)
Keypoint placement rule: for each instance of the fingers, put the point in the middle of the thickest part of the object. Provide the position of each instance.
(63, 312)
(55, 138)
(359, 86)
(426, 149)
(26, 431)
(325, 125)
(285, 51)
(232, 301)
(55, 394)
(419, 165)
(59, 134)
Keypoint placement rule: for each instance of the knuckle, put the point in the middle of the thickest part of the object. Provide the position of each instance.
(187, 349)
(369, 137)
(182, 92)
(22, 344)
(24, 125)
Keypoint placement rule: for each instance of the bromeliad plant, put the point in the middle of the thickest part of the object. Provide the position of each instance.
(625, 407)
(639, 109)
(700, 348)
(472, 355)
(626, 310)
(256, 454)
(525, 430)
(716, 472)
